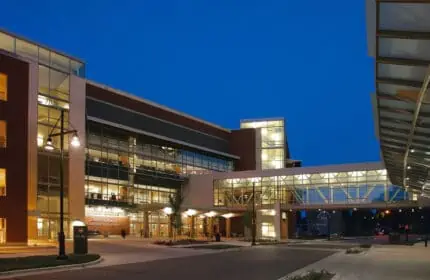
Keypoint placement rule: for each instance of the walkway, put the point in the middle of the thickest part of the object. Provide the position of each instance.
(389, 262)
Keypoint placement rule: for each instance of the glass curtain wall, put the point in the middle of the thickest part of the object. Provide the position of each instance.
(118, 163)
(354, 187)
(54, 91)
(272, 147)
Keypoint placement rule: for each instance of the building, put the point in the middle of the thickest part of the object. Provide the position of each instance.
(135, 154)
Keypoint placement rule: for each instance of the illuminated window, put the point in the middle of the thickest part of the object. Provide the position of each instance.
(268, 230)
(2, 134)
(2, 182)
(3, 87)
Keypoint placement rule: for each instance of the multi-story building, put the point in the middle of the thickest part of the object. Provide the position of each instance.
(133, 155)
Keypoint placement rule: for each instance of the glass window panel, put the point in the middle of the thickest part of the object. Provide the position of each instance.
(59, 85)
(2, 182)
(26, 49)
(3, 87)
(3, 134)
(60, 62)
(377, 193)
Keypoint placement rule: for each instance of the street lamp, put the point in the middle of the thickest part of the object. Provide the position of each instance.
(50, 147)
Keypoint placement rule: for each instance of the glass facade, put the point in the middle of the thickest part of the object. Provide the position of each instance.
(41, 55)
(272, 148)
(3, 135)
(3, 87)
(135, 173)
(335, 188)
(2, 182)
(54, 71)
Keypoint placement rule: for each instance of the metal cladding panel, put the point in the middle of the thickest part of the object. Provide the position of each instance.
(152, 125)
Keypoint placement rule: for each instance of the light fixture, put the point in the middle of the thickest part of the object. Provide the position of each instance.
(167, 210)
(412, 210)
(228, 215)
(211, 214)
(409, 167)
(407, 178)
(78, 223)
(49, 146)
(412, 150)
(190, 212)
(355, 209)
(400, 210)
(387, 211)
(39, 140)
(75, 141)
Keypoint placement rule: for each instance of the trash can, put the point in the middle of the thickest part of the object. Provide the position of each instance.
(217, 237)
(80, 240)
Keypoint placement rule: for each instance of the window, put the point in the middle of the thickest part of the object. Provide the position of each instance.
(3, 87)
(2, 182)
(2, 134)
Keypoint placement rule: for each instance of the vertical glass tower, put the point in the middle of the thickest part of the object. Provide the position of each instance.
(271, 147)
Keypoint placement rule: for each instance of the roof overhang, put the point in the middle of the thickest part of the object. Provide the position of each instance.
(399, 39)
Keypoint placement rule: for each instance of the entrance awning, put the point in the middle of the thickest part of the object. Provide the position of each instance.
(399, 39)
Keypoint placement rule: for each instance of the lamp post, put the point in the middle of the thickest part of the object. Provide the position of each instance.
(254, 224)
(50, 147)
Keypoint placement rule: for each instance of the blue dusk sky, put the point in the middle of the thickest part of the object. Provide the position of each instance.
(226, 60)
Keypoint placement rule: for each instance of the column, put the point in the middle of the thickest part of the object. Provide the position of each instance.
(76, 180)
(192, 226)
(169, 226)
(211, 226)
(227, 227)
(145, 224)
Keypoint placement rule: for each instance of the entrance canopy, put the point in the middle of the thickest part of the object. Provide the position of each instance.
(399, 39)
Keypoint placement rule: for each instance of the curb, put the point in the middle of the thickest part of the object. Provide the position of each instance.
(60, 267)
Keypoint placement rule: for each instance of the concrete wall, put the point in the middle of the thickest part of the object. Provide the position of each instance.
(77, 155)
(198, 193)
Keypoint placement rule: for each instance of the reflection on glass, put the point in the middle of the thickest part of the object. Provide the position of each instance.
(3, 87)
(2, 182)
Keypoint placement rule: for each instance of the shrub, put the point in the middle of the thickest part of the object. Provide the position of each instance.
(313, 275)
(354, 251)
(366, 246)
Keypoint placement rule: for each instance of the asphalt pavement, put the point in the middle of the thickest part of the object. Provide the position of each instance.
(266, 262)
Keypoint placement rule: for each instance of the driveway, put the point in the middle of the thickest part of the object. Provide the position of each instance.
(267, 262)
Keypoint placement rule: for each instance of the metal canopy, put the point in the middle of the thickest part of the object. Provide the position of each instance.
(399, 38)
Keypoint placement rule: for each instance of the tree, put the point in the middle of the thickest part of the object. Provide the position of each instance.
(175, 201)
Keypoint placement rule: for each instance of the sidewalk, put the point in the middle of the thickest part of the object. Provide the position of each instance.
(381, 263)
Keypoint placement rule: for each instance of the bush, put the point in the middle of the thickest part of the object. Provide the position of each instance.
(179, 242)
(365, 246)
(313, 275)
(354, 251)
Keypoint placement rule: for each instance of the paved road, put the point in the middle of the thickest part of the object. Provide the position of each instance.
(249, 263)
